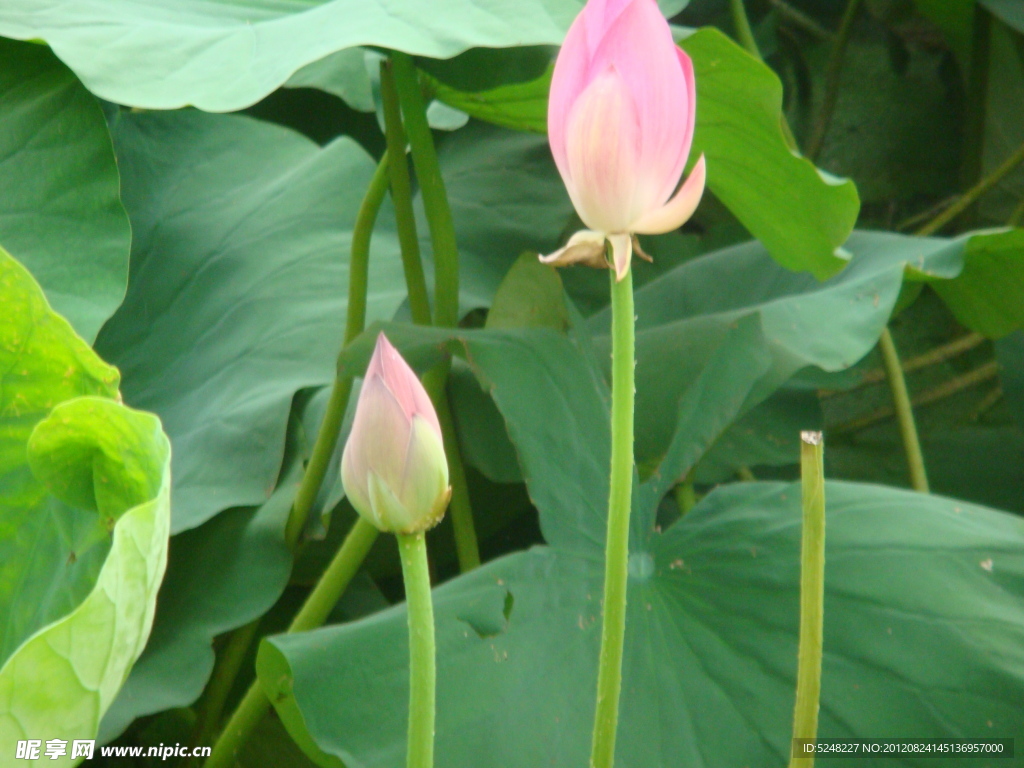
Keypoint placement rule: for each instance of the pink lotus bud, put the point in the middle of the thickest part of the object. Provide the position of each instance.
(394, 468)
(620, 122)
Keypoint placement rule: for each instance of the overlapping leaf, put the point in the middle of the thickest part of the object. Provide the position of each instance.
(85, 511)
(223, 55)
(717, 593)
(711, 640)
(237, 296)
(59, 213)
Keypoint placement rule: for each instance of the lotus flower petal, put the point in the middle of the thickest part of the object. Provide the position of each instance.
(402, 381)
(426, 473)
(679, 209)
(377, 442)
(601, 141)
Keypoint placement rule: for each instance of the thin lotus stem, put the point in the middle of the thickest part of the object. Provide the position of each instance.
(401, 195)
(1017, 215)
(254, 704)
(435, 199)
(812, 594)
(330, 429)
(229, 663)
(970, 196)
(904, 412)
(835, 68)
(940, 354)
(741, 24)
(422, 670)
(803, 21)
(746, 38)
(987, 403)
(466, 547)
(972, 378)
(446, 290)
(613, 627)
(335, 579)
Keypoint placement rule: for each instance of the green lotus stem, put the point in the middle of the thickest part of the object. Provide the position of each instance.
(812, 594)
(741, 25)
(229, 663)
(332, 584)
(835, 68)
(337, 404)
(435, 199)
(746, 38)
(401, 195)
(904, 412)
(446, 289)
(613, 626)
(466, 547)
(970, 196)
(335, 579)
(422, 671)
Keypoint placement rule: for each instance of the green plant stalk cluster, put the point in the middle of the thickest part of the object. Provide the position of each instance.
(446, 276)
(422, 661)
(812, 594)
(330, 429)
(335, 579)
(401, 196)
(613, 627)
(332, 584)
(904, 411)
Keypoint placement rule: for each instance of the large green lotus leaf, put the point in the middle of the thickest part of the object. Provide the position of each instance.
(986, 293)
(45, 364)
(60, 681)
(801, 215)
(732, 627)
(60, 213)
(924, 634)
(980, 275)
(225, 55)
(237, 292)
(84, 513)
(223, 574)
(683, 316)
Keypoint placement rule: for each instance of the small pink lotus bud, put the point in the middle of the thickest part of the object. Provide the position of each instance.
(394, 468)
(620, 123)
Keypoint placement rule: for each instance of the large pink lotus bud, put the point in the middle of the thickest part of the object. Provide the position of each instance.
(394, 468)
(620, 122)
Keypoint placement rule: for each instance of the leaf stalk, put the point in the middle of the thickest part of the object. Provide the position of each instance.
(422, 653)
(616, 574)
(812, 594)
